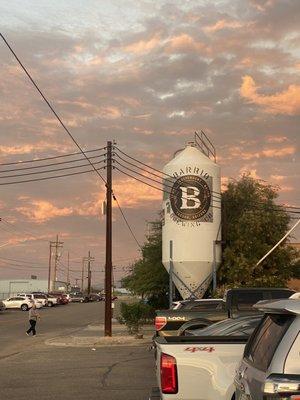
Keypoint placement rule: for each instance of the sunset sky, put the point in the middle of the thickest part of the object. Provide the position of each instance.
(146, 74)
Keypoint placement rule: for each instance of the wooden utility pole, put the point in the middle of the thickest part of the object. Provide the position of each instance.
(49, 268)
(108, 258)
(68, 272)
(56, 245)
(89, 274)
(82, 274)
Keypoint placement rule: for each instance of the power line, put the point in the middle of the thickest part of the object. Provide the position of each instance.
(154, 180)
(126, 222)
(49, 177)
(52, 158)
(148, 166)
(19, 261)
(28, 232)
(49, 165)
(154, 187)
(173, 178)
(48, 171)
(51, 108)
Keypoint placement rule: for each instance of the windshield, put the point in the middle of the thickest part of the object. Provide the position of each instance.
(235, 327)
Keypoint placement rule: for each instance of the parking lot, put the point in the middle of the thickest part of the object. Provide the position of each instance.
(35, 370)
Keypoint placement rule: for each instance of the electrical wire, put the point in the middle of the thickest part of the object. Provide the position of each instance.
(126, 222)
(154, 180)
(154, 187)
(161, 172)
(54, 112)
(28, 232)
(49, 165)
(52, 158)
(148, 166)
(51, 108)
(48, 171)
(49, 177)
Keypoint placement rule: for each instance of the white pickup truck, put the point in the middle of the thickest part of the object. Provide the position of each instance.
(202, 367)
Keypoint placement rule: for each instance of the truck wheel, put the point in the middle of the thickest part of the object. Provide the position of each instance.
(24, 307)
(50, 304)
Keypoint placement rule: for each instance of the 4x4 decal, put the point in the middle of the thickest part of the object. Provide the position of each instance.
(209, 349)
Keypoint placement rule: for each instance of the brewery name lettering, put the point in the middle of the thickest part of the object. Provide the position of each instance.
(191, 170)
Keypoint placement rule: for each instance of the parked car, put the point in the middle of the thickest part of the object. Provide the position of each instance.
(61, 300)
(236, 303)
(35, 298)
(77, 298)
(2, 306)
(93, 297)
(21, 302)
(270, 368)
(202, 367)
(52, 300)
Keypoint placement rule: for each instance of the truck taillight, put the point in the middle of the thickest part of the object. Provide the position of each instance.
(160, 322)
(168, 374)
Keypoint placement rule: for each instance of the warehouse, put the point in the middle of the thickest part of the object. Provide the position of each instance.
(11, 287)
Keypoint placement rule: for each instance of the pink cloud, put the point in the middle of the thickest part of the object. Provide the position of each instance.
(285, 102)
(185, 42)
(41, 211)
(143, 46)
(285, 151)
(276, 139)
(222, 24)
(32, 148)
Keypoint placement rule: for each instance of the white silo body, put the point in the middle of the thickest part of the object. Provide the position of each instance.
(192, 220)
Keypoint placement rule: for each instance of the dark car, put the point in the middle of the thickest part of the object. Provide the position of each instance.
(94, 297)
(237, 302)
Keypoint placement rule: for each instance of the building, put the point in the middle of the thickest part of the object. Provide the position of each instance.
(10, 287)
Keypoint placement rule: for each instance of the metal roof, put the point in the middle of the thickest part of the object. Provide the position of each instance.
(290, 306)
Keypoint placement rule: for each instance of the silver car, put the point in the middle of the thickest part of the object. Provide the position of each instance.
(270, 368)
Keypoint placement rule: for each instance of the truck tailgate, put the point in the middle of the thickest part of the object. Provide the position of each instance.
(205, 366)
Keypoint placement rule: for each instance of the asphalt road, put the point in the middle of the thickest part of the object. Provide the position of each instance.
(31, 369)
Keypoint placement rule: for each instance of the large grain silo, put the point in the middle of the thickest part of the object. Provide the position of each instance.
(192, 217)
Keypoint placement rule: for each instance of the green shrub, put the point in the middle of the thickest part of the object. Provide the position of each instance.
(135, 315)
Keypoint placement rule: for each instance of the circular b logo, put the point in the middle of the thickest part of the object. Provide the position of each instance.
(190, 197)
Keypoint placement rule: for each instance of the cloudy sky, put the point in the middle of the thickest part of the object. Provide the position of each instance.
(146, 74)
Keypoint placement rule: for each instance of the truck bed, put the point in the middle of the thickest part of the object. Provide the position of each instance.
(205, 365)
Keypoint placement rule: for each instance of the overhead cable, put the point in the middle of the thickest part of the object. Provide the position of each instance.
(48, 171)
(148, 166)
(51, 108)
(52, 158)
(49, 177)
(49, 165)
(126, 222)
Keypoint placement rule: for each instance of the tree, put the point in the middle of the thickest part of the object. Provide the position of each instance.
(148, 276)
(252, 224)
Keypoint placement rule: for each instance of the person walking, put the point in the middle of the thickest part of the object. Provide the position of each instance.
(33, 317)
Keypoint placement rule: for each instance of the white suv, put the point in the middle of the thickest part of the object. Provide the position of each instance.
(21, 302)
(270, 369)
(36, 298)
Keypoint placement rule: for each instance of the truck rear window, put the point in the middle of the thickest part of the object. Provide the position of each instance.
(262, 345)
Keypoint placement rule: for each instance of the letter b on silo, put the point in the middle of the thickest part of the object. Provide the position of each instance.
(190, 199)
